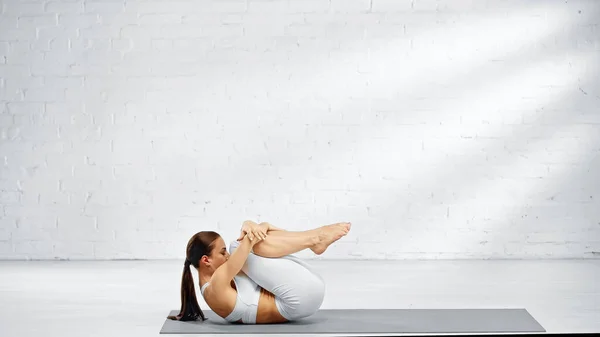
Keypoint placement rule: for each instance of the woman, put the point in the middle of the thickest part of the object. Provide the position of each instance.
(259, 282)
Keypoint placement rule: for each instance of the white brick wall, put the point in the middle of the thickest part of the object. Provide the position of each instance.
(440, 129)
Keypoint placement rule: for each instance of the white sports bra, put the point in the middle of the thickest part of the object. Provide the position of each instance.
(246, 304)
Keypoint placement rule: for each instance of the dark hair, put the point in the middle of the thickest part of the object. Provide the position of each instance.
(200, 244)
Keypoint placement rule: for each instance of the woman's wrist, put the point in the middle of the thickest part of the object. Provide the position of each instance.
(247, 242)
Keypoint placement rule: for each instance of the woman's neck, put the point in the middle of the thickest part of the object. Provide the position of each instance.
(203, 278)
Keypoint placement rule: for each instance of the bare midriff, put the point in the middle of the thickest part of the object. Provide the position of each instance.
(267, 310)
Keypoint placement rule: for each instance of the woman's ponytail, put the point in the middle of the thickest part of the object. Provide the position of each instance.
(190, 309)
(200, 244)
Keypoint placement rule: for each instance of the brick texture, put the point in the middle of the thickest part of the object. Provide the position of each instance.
(441, 129)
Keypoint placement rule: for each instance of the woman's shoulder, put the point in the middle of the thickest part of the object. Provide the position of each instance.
(221, 300)
(213, 288)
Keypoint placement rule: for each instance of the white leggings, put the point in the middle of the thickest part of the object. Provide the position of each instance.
(298, 289)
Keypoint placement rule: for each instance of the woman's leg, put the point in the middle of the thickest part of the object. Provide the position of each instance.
(299, 291)
(280, 242)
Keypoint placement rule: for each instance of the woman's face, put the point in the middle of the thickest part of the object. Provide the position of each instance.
(219, 254)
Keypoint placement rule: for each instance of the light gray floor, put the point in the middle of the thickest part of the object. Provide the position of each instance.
(132, 298)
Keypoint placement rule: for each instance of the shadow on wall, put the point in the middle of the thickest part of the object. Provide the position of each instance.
(241, 177)
(239, 173)
(476, 76)
(567, 113)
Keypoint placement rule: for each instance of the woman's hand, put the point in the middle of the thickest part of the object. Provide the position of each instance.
(253, 230)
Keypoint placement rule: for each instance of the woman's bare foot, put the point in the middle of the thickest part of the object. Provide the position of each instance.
(329, 234)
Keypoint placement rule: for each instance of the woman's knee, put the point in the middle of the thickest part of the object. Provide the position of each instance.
(233, 245)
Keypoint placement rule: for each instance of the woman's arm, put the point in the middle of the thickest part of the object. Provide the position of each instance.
(225, 273)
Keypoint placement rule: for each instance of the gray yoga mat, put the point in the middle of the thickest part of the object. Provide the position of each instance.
(369, 321)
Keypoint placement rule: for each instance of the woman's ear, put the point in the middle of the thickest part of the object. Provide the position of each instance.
(204, 260)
